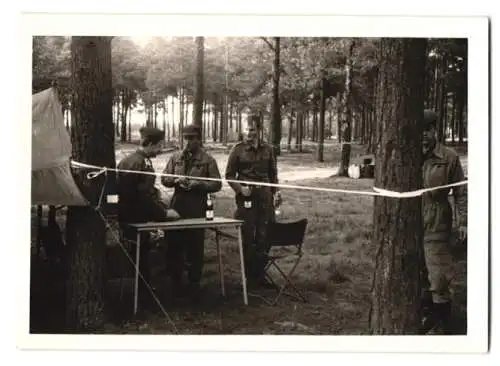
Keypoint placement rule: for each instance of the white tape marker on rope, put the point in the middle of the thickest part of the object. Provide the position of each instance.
(376, 191)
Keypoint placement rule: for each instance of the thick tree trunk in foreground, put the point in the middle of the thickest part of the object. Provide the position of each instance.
(397, 223)
(93, 143)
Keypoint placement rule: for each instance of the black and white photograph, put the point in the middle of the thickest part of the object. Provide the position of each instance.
(203, 183)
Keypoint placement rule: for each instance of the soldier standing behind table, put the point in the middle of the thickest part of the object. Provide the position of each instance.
(254, 160)
(441, 166)
(189, 200)
(139, 200)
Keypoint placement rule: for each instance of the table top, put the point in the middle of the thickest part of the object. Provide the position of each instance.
(198, 223)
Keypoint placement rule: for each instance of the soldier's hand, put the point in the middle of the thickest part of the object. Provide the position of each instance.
(193, 183)
(182, 181)
(462, 232)
(278, 200)
(245, 191)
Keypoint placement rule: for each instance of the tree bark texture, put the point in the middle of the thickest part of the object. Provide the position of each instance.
(92, 139)
(276, 107)
(346, 115)
(198, 94)
(397, 223)
(321, 127)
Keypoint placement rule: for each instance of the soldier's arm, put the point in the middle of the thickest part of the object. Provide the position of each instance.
(459, 192)
(124, 180)
(212, 186)
(273, 170)
(149, 194)
(232, 170)
(145, 190)
(167, 181)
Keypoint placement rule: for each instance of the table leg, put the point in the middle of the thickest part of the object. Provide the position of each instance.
(242, 259)
(137, 257)
(221, 267)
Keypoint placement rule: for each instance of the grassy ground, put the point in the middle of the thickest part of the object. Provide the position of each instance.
(335, 272)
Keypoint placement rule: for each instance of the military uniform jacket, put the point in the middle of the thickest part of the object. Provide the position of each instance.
(249, 163)
(138, 197)
(191, 203)
(442, 166)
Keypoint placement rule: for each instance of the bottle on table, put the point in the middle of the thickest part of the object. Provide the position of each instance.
(209, 213)
(277, 204)
(247, 203)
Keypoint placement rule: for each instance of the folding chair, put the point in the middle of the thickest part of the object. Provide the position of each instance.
(285, 235)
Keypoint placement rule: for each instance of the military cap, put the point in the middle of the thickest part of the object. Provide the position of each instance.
(255, 120)
(430, 118)
(191, 130)
(152, 134)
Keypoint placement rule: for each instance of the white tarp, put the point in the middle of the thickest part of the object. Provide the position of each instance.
(51, 179)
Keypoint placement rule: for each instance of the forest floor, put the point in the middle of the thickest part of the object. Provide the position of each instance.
(335, 272)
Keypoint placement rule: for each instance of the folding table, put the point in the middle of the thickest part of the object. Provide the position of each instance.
(188, 224)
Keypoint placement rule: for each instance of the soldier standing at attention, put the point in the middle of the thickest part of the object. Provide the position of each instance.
(254, 160)
(139, 200)
(441, 166)
(189, 200)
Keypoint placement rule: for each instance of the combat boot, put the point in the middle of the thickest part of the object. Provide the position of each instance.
(437, 320)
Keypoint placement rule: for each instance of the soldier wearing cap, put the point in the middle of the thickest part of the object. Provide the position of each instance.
(139, 200)
(189, 200)
(253, 160)
(441, 166)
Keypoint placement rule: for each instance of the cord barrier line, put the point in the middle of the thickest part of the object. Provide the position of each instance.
(376, 191)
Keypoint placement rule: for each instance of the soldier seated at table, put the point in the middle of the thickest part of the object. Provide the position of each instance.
(139, 199)
(189, 200)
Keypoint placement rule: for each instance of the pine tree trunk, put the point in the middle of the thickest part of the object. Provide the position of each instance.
(239, 121)
(453, 119)
(396, 285)
(298, 131)
(92, 140)
(164, 113)
(460, 116)
(172, 116)
(123, 135)
(215, 125)
(339, 117)
(125, 106)
(181, 115)
(231, 118)
(315, 123)
(156, 114)
(443, 109)
(346, 116)
(276, 108)
(205, 122)
(321, 127)
(290, 132)
(306, 125)
(198, 93)
(330, 120)
(117, 121)
(129, 136)
(223, 122)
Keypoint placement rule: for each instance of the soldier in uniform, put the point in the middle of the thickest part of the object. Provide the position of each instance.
(139, 200)
(441, 166)
(189, 200)
(253, 160)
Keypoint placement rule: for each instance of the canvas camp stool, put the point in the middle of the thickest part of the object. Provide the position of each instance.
(281, 237)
